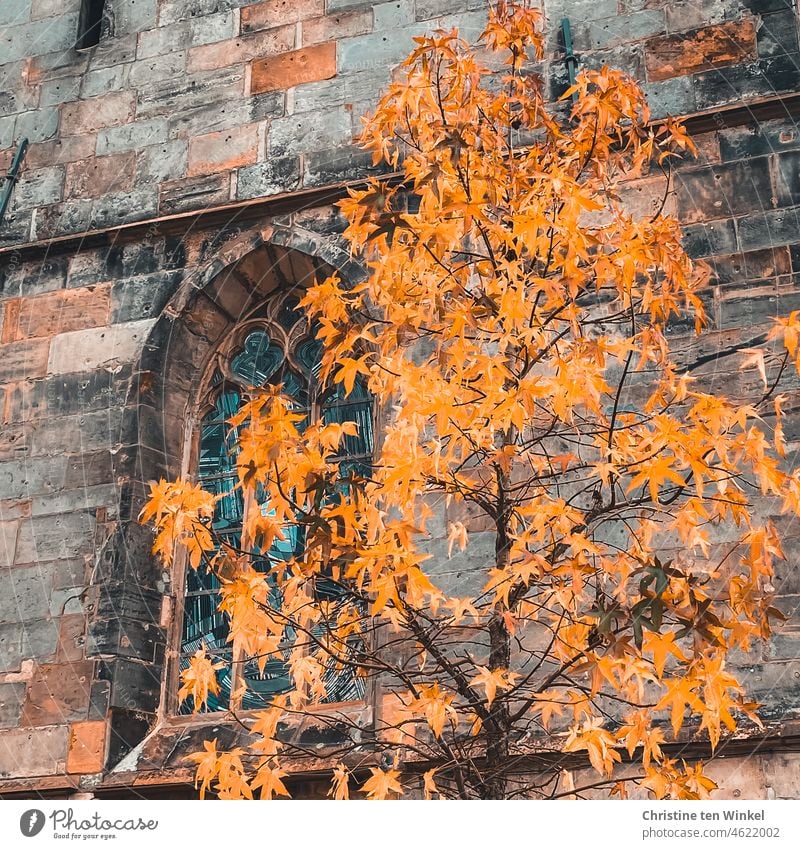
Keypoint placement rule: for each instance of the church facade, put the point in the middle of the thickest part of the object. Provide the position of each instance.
(184, 161)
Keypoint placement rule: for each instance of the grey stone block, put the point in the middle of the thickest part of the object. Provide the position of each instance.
(161, 162)
(133, 136)
(297, 134)
(671, 97)
(37, 126)
(147, 71)
(39, 188)
(38, 37)
(172, 11)
(133, 17)
(105, 80)
(11, 698)
(55, 537)
(59, 90)
(396, 13)
(377, 50)
(15, 12)
(276, 175)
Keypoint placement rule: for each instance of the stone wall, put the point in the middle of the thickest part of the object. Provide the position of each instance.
(197, 144)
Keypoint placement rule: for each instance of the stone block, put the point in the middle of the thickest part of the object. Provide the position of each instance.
(788, 178)
(194, 193)
(134, 685)
(297, 134)
(11, 698)
(86, 432)
(758, 139)
(15, 12)
(275, 13)
(60, 90)
(709, 47)
(55, 537)
(39, 187)
(157, 163)
(245, 48)
(27, 593)
(290, 69)
(146, 71)
(58, 151)
(38, 125)
(84, 214)
(133, 17)
(27, 640)
(777, 34)
(192, 32)
(715, 237)
(33, 752)
(723, 191)
(49, 8)
(87, 747)
(8, 542)
(132, 136)
(64, 311)
(337, 25)
(97, 113)
(37, 37)
(223, 150)
(275, 176)
(620, 29)
(396, 13)
(764, 78)
(58, 694)
(191, 93)
(141, 297)
(759, 230)
(100, 175)
(105, 80)
(377, 50)
(84, 350)
(71, 639)
(355, 88)
(25, 477)
(429, 9)
(65, 395)
(23, 360)
(172, 11)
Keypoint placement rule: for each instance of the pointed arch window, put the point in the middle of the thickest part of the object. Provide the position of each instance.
(274, 347)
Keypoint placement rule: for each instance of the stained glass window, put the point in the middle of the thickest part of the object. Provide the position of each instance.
(267, 352)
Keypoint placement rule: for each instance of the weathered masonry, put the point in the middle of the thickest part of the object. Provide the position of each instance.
(182, 169)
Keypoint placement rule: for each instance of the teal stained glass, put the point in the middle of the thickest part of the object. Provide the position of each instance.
(260, 361)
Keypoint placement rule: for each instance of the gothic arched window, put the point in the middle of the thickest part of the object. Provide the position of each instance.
(274, 346)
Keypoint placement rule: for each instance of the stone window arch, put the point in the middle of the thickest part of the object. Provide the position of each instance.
(272, 345)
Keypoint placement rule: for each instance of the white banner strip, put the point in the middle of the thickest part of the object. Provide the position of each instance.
(387, 825)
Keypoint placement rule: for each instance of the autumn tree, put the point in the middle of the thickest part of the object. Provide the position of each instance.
(512, 330)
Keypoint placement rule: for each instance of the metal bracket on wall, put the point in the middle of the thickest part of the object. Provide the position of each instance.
(570, 59)
(11, 178)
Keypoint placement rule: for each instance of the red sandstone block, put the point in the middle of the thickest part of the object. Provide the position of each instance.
(87, 747)
(331, 27)
(300, 66)
(58, 694)
(88, 116)
(223, 150)
(59, 151)
(99, 175)
(62, 311)
(221, 54)
(275, 13)
(715, 46)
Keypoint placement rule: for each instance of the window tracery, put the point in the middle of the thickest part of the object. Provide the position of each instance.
(274, 346)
